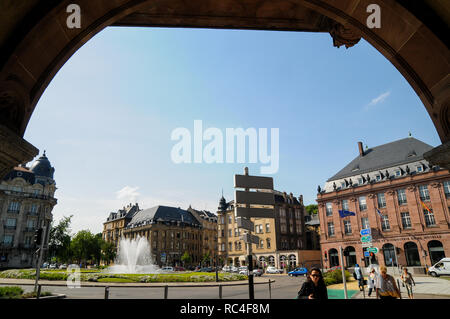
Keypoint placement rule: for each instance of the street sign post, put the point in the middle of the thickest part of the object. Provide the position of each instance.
(366, 239)
(245, 223)
(372, 250)
(366, 254)
(365, 232)
(248, 238)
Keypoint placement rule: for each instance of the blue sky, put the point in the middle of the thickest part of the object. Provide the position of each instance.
(106, 118)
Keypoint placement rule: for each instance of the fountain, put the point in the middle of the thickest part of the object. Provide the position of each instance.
(133, 257)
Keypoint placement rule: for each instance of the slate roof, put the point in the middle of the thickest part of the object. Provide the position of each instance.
(165, 214)
(396, 153)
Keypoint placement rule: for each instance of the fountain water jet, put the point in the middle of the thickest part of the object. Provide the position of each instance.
(134, 257)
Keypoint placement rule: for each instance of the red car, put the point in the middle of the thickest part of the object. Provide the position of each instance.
(178, 268)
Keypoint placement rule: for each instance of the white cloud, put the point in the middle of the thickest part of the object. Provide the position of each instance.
(379, 99)
(128, 193)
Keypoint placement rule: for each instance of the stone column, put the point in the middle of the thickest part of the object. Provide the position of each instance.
(14, 150)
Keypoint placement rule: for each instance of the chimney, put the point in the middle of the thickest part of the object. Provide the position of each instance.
(360, 147)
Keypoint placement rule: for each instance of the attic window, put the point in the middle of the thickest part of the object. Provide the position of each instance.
(412, 153)
(356, 168)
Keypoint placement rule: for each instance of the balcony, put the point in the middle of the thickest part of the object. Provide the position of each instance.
(13, 211)
(29, 229)
(31, 213)
(9, 227)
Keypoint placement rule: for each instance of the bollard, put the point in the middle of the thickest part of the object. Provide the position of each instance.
(270, 289)
(166, 291)
(38, 294)
(106, 292)
(220, 291)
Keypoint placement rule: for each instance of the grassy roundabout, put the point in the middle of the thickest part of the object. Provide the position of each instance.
(95, 275)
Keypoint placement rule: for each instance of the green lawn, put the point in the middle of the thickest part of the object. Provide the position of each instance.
(445, 277)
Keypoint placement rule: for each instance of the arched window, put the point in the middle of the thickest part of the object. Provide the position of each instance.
(271, 260)
(412, 254)
(436, 251)
(350, 256)
(334, 258)
(292, 261)
(389, 255)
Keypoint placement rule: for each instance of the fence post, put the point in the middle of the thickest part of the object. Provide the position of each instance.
(106, 292)
(38, 293)
(166, 291)
(220, 291)
(270, 289)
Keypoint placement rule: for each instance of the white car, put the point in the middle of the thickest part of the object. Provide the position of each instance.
(167, 269)
(243, 270)
(273, 270)
(63, 266)
(440, 268)
(234, 269)
(226, 268)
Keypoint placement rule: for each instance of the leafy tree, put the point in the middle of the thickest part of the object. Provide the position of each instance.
(186, 259)
(59, 240)
(312, 209)
(83, 246)
(109, 251)
(206, 258)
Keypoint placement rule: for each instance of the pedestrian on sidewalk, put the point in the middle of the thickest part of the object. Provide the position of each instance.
(408, 281)
(314, 287)
(386, 286)
(371, 283)
(357, 274)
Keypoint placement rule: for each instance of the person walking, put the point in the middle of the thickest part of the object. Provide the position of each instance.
(371, 283)
(314, 287)
(385, 286)
(359, 276)
(408, 281)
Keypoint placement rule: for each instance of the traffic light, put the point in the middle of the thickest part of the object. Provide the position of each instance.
(38, 236)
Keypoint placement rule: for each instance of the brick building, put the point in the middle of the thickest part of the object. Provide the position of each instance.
(411, 196)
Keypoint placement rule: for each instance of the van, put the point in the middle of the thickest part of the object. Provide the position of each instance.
(440, 268)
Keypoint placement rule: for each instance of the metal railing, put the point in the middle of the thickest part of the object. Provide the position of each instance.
(165, 286)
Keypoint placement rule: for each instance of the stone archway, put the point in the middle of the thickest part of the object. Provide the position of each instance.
(36, 41)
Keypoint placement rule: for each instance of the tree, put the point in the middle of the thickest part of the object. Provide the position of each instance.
(83, 246)
(312, 209)
(109, 252)
(186, 258)
(206, 258)
(59, 240)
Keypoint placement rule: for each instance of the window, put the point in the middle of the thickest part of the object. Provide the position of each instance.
(222, 247)
(11, 222)
(378, 177)
(398, 173)
(230, 232)
(429, 218)
(230, 219)
(259, 229)
(362, 203)
(330, 229)
(268, 242)
(406, 220)
(222, 219)
(34, 208)
(381, 200)
(401, 195)
(365, 223)
(342, 185)
(7, 239)
(14, 207)
(419, 169)
(447, 188)
(222, 233)
(230, 246)
(329, 209)
(345, 204)
(347, 227)
(267, 228)
(385, 223)
(360, 181)
(423, 191)
(261, 244)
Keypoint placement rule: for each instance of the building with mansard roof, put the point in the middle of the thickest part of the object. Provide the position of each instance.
(396, 194)
(26, 204)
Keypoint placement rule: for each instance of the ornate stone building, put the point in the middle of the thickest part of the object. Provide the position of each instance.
(282, 238)
(116, 222)
(26, 202)
(208, 237)
(395, 193)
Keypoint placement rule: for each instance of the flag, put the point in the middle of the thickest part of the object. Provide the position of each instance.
(425, 206)
(345, 213)
(379, 213)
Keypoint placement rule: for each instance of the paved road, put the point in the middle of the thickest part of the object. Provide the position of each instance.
(284, 288)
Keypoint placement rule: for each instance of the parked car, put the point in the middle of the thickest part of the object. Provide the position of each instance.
(273, 270)
(45, 265)
(205, 269)
(234, 269)
(243, 270)
(440, 268)
(167, 269)
(298, 272)
(226, 268)
(179, 268)
(52, 266)
(257, 272)
(63, 266)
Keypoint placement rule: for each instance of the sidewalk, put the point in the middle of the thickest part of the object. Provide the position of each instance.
(425, 288)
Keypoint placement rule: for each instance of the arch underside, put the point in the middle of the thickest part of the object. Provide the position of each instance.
(35, 42)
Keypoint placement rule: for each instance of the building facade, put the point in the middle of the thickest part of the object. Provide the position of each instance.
(26, 204)
(282, 239)
(116, 222)
(396, 194)
(208, 237)
(171, 232)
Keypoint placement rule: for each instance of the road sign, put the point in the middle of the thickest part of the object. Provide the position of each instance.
(369, 244)
(372, 250)
(366, 239)
(250, 238)
(254, 212)
(364, 232)
(255, 182)
(366, 254)
(245, 223)
(260, 198)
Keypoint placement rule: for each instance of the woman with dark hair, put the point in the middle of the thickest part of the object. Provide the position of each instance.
(314, 287)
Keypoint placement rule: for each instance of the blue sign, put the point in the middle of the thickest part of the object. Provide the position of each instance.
(364, 232)
(366, 254)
